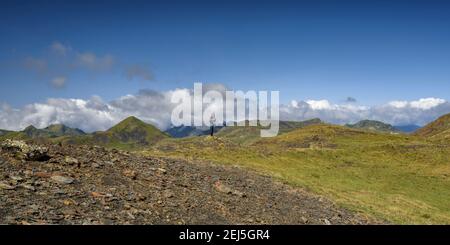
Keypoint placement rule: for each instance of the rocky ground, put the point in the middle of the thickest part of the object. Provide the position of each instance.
(93, 185)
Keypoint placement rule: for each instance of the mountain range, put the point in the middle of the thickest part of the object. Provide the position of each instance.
(372, 168)
(129, 133)
(132, 132)
(369, 167)
(188, 131)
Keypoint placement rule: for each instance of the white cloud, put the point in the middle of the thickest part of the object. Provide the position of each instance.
(58, 82)
(398, 104)
(94, 62)
(319, 104)
(60, 48)
(92, 114)
(294, 103)
(155, 107)
(72, 112)
(427, 103)
(418, 112)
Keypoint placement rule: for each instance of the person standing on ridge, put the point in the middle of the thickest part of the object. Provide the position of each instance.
(212, 120)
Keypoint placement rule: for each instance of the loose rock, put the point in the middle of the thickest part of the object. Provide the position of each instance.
(6, 186)
(128, 188)
(62, 179)
(71, 160)
(21, 150)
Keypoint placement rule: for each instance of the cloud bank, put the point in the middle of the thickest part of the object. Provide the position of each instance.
(63, 60)
(155, 107)
(418, 112)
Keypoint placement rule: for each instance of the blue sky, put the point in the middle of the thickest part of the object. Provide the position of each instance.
(371, 50)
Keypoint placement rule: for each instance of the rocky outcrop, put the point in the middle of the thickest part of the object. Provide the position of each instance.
(21, 150)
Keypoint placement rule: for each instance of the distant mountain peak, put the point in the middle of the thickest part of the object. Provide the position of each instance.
(30, 127)
(131, 130)
(131, 121)
(54, 130)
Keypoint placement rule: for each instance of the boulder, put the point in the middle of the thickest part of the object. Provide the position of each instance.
(22, 150)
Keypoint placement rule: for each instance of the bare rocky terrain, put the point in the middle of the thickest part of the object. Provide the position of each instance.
(68, 184)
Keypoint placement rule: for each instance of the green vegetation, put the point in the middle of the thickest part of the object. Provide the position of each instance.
(372, 125)
(57, 130)
(247, 134)
(396, 177)
(129, 134)
(3, 132)
(52, 131)
(438, 129)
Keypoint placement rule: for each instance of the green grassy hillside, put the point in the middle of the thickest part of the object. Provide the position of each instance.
(372, 125)
(399, 178)
(52, 131)
(438, 129)
(248, 134)
(129, 134)
(3, 132)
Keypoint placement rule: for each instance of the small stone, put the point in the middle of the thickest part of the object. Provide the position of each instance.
(168, 194)
(96, 194)
(109, 163)
(67, 202)
(28, 187)
(16, 178)
(28, 172)
(162, 170)
(60, 192)
(70, 160)
(130, 215)
(239, 193)
(304, 220)
(62, 179)
(222, 188)
(6, 186)
(326, 221)
(130, 173)
(43, 174)
(226, 189)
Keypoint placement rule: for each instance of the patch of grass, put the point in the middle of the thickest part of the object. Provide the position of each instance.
(400, 178)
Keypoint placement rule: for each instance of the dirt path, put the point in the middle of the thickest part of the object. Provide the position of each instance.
(93, 185)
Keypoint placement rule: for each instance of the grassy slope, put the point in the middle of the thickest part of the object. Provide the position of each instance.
(52, 131)
(435, 127)
(246, 135)
(129, 134)
(372, 125)
(400, 178)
